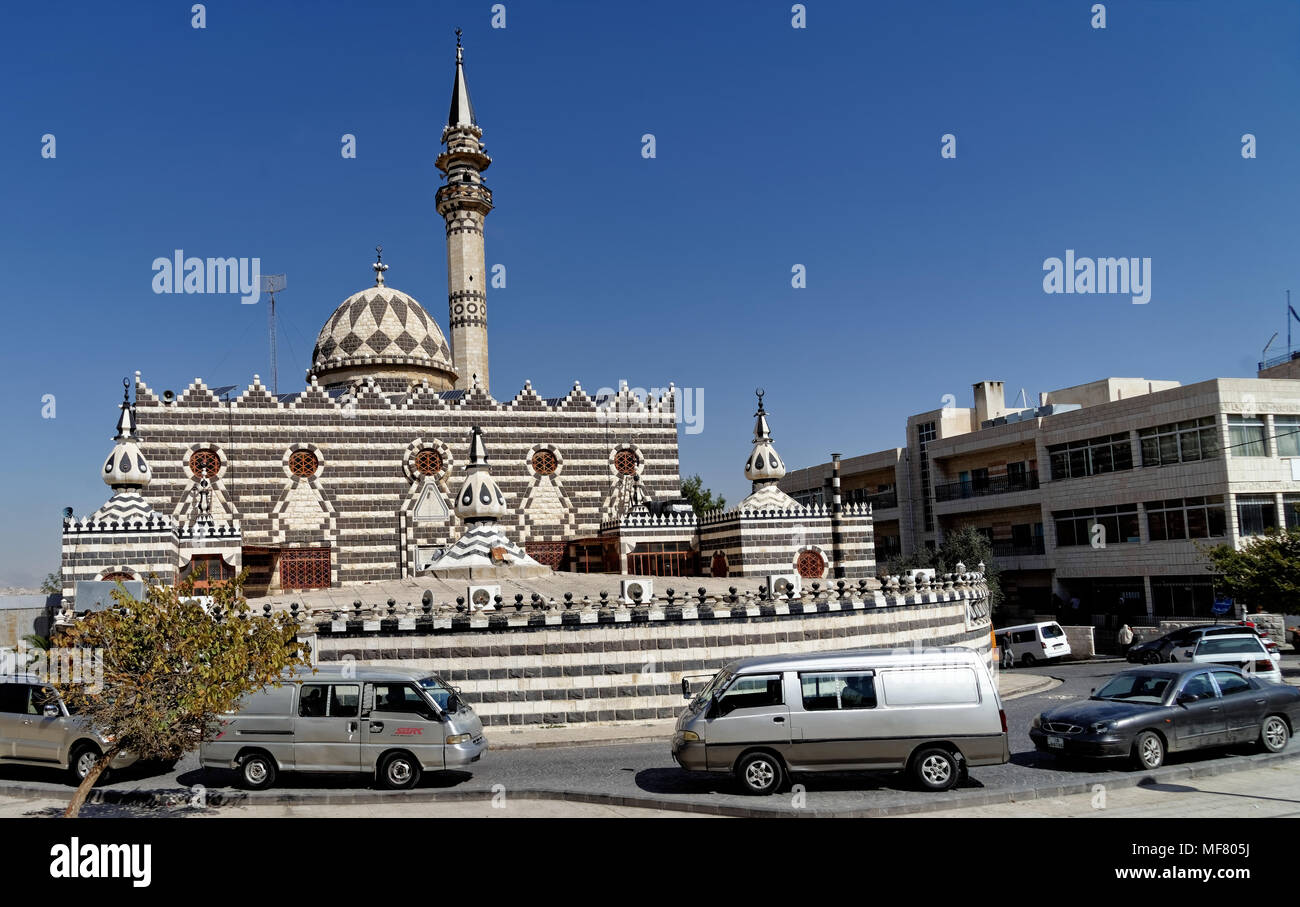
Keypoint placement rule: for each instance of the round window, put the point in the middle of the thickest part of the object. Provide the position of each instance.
(811, 565)
(625, 462)
(205, 462)
(303, 463)
(544, 463)
(428, 462)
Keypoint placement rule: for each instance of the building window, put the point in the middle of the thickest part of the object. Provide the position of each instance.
(1182, 596)
(1075, 527)
(1186, 518)
(1180, 442)
(1109, 453)
(202, 461)
(1246, 436)
(305, 568)
(1291, 510)
(1286, 434)
(1256, 514)
(118, 577)
(428, 462)
(625, 462)
(544, 463)
(810, 565)
(925, 433)
(303, 463)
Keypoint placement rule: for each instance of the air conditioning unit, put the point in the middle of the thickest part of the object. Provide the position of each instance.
(779, 585)
(636, 591)
(482, 598)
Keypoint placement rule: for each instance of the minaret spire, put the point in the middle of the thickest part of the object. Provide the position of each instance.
(126, 468)
(464, 202)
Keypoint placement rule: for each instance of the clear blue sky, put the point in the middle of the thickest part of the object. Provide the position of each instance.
(775, 146)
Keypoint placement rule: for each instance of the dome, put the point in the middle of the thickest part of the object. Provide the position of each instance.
(383, 333)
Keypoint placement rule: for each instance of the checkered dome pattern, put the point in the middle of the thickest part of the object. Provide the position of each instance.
(380, 323)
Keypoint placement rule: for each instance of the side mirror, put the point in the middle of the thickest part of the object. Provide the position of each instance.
(52, 711)
(686, 688)
(1184, 698)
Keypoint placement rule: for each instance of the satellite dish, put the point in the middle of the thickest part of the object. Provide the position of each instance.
(169, 396)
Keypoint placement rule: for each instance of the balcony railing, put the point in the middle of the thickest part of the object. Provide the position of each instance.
(1278, 360)
(1008, 548)
(972, 488)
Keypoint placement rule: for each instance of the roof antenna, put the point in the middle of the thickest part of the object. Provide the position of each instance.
(272, 284)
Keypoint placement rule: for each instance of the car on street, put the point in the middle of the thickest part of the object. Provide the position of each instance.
(1143, 714)
(1172, 646)
(37, 729)
(1242, 650)
(930, 713)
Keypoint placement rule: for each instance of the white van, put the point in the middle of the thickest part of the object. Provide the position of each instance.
(931, 713)
(1028, 644)
(394, 723)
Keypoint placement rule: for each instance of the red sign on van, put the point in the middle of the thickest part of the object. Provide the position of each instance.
(408, 732)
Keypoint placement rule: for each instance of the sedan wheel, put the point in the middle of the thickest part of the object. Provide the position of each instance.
(1274, 735)
(1151, 658)
(1149, 750)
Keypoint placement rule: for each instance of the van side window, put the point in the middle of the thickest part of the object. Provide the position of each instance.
(841, 690)
(313, 700)
(13, 698)
(751, 692)
(41, 697)
(1024, 636)
(346, 702)
(399, 697)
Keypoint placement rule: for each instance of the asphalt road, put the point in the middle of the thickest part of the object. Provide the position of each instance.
(647, 769)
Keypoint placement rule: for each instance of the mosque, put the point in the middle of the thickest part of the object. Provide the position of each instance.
(396, 460)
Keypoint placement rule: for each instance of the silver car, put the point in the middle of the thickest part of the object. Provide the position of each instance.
(393, 723)
(930, 713)
(36, 729)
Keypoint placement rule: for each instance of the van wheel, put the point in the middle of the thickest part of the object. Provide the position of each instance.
(760, 773)
(83, 759)
(1274, 735)
(1148, 750)
(399, 771)
(935, 768)
(256, 771)
(1028, 660)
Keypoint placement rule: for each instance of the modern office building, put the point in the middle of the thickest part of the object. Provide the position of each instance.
(1100, 499)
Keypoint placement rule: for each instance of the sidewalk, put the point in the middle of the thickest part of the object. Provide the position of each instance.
(1011, 685)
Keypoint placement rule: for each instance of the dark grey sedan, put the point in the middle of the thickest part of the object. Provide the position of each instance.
(1145, 713)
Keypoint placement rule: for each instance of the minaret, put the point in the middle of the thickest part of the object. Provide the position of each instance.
(126, 468)
(764, 466)
(464, 202)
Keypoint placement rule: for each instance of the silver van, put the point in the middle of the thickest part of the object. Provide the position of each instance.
(931, 713)
(395, 723)
(37, 729)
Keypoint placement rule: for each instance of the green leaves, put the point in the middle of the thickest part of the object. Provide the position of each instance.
(700, 498)
(170, 667)
(1264, 573)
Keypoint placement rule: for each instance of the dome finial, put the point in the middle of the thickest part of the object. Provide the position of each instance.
(459, 49)
(379, 266)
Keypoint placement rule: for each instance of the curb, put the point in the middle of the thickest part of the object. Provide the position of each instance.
(1044, 683)
(179, 797)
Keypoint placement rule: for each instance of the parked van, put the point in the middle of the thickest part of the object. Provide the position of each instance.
(394, 723)
(930, 713)
(37, 729)
(1030, 643)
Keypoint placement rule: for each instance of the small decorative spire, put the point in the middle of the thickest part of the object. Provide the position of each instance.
(379, 266)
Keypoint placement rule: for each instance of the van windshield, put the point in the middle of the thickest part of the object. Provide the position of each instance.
(440, 693)
(719, 680)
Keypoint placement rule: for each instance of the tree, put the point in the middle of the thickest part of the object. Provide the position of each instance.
(700, 498)
(1265, 572)
(52, 584)
(966, 546)
(170, 667)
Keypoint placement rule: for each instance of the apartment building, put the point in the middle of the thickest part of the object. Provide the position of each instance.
(1102, 498)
